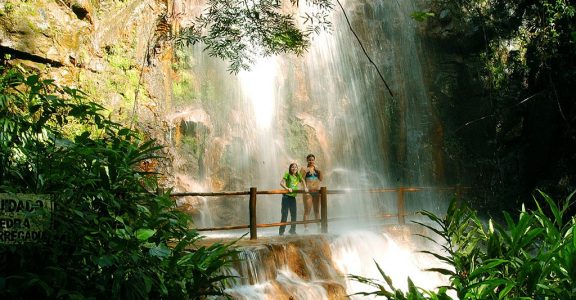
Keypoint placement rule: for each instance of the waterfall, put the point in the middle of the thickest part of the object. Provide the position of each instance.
(353, 253)
(232, 132)
(317, 268)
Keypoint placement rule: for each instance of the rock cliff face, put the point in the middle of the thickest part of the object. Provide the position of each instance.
(44, 32)
(109, 49)
(115, 51)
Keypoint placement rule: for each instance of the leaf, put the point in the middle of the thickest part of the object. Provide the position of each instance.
(489, 284)
(506, 290)
(438, 232)
(160, 251)
(431, 216)
(435, 241)
(530, 236)
(143, 234)
(124, 131)
(554, 208)
(573, 232)
(122, 233)
(438, 256)
(441, 271)
(143, 209)
(486, 268)
(148, 286)
(105, 261)
(421, 16)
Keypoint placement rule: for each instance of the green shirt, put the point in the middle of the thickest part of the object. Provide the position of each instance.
(292, 182)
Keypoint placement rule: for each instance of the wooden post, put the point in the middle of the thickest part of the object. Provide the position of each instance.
(252, 208)
(323, 210)
(400, 205)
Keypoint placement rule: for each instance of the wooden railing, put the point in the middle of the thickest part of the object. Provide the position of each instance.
(253, 192)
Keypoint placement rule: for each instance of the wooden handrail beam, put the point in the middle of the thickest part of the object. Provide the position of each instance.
(323, 203)
(400, 206)
(323, 210)
(340, 191)
(209, 194)
(287, 223)
(224, 228)
(379, 216)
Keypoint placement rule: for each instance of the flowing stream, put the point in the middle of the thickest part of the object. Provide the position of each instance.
(232, 132)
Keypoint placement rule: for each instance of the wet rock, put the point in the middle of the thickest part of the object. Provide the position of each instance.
(96, 65)
(83, 9)
(445, 17)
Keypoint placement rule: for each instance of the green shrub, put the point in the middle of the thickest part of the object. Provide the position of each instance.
(111, 236)
(533, 257)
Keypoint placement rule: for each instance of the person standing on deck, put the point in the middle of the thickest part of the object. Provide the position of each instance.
(312, 177)
(290, 182)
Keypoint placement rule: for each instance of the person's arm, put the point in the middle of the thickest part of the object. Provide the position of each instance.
(319, 174)
(283, 185)
(304, 183)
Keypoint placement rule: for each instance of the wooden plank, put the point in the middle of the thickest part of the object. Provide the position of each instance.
(400, 206)
(323, 210)
(252, 208)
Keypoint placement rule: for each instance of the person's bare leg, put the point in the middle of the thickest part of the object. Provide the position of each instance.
(316, 206)
(307, 207)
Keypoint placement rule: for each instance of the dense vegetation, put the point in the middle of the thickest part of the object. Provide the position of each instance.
(533, 257)
(110, 234)
(511, 118)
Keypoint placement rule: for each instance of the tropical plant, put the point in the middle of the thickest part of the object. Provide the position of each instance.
(533, 257)
(110, 235)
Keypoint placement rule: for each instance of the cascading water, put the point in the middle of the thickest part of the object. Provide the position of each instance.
(235, 132)
(298, 268)
(330, 102)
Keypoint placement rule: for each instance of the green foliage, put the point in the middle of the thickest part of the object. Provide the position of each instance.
(239, 31)
(110, 236)
(421, 16)
(533, 257)
(183, 88)
(8, 8)
(117, 58)
(522, 55)
(387, 289)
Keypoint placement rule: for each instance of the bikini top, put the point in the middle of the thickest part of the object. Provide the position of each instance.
(312, 175)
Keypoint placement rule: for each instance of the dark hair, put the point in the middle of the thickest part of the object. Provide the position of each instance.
(290, 166)
(310, 155)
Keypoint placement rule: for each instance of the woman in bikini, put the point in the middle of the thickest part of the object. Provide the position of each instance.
(312, 177)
